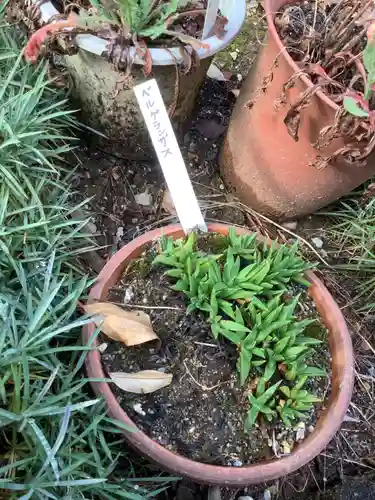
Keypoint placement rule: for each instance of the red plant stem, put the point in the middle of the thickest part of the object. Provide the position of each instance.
(34, 45)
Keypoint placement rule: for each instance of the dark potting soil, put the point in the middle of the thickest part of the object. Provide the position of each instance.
(201, 414)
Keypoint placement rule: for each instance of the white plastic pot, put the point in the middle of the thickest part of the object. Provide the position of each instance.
(109, 105)
(233, 10)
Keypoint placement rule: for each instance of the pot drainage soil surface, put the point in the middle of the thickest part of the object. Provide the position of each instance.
(201, 414)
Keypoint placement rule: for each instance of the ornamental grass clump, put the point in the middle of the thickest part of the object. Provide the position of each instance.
(55, 438)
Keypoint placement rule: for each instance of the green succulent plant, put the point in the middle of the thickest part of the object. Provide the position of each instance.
(243, 245)
(242, 291)
(263, 402)
(297, 403)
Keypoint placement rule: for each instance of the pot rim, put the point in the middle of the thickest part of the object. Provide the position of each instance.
(328, 423)
(270, 13)
(235, 11)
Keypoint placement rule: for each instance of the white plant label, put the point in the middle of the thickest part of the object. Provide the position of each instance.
(210, 19)
(169, 156)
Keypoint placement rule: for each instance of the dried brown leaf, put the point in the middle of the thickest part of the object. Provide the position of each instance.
(219, 28)
(367, 196)
(129, 327)
(292, 121)
(143, 382)
(293, 116)
(167, 203)
(189, 40)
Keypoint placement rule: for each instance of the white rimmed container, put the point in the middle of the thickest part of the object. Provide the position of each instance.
(110, 105)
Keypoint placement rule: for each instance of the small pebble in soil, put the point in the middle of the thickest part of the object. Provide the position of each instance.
(102, 347)
(214, 493)
(236, 463)
(143, 199)
(348, 418)
(318, 243)
(274, 490)
(215, 73)
(300, 431)
(138, 408)
(267, 495)
(286, 448)
(128, 295)
(291, 225)
(91, 227)
(119, 233)
(253, 4)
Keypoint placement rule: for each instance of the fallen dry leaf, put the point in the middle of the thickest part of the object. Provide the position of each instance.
(219, 28)
(167, 203)
(143, 382)
(189, 40)
(129, 327)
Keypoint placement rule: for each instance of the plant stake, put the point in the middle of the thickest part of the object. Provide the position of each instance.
(169, 155)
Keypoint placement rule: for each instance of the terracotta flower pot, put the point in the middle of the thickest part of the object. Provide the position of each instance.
(329, 422)
(265, 166)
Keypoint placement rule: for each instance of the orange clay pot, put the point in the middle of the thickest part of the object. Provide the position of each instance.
(329, 421)
(268, 170)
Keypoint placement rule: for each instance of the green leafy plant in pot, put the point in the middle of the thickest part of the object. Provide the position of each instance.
(114, 45)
